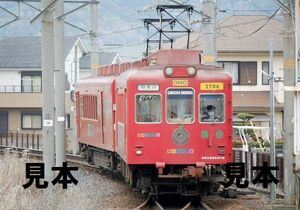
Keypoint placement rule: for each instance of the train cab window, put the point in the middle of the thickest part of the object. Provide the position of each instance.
(148, 108)
(211, 108)
(180, 105)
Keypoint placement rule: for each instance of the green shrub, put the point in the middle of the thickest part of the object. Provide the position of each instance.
(253, 144)
(245, 116)
(237, 144)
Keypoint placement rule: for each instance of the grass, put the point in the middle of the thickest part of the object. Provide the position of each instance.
(93, 191)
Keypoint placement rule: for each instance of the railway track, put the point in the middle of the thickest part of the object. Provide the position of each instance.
(74, 159)
(153, 203)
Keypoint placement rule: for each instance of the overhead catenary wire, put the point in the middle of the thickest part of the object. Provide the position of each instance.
(257, 30)
(121, 31)
(124, 46)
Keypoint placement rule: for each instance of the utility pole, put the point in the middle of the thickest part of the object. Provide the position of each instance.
(272, 113)
(94, 39)
(59, 83)
(48, 89)
(289, 96)
(74, 139)
(297, 30)
(209, 32)
(297, 95)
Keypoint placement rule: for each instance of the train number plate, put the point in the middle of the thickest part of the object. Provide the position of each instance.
(212, 86)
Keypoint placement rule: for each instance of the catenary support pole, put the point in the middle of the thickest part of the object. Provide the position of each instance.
(297, 30)
(209, 32)
(289, 80)
(272, 114)
(48, 89)
(94, 39)
(59, 84)
(75, 146)
(297, 96)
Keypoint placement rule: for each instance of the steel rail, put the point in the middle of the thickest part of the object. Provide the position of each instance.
(158, 205)
(144, 204)
(204, 206)
(187, 206)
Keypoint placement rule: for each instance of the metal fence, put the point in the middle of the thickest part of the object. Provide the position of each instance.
(20, 88)
(31, 141)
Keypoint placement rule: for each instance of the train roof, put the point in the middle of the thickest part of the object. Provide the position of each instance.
(160, 58)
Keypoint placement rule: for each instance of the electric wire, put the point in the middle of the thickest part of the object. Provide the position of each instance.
(257, 30)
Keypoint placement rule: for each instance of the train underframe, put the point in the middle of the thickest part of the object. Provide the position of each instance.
(181, 180)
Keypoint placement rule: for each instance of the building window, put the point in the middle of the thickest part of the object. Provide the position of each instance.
(31, 82)
(31, 120)
(68, 121)
(248, 73)
(265, 68)
(233, 69)
(89, 107)
(243, 73)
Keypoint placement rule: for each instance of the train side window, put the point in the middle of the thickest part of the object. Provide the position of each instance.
(148, 108)
(211, 108)
(180, 105)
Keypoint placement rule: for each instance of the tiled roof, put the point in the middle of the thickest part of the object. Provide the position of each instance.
(233, 35)
(25, 52)
(105, 58)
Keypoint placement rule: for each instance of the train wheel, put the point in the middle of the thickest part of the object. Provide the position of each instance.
(82, 150)
(129, 176)
(195, 200)
(89, 156)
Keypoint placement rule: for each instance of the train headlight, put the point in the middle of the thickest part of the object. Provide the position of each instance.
(191, 71)
(138, 150)
(169, 71)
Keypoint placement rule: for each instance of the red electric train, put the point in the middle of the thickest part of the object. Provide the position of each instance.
(164, 123)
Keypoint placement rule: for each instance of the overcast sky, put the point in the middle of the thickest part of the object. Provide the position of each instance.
(121, 15)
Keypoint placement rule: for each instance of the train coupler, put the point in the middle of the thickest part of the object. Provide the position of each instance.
(192, 171)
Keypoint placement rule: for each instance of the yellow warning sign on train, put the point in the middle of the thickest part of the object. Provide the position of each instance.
(212, 86)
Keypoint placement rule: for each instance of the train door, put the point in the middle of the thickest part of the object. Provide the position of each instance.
(121, 119)
(100, 108)
(78, 114)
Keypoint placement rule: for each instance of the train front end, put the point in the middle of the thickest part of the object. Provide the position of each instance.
(180, 129)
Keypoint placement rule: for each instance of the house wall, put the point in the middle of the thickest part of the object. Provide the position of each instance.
(14, 120)
(84, 73)
(278, 86)
(70, 64)
(259, 58)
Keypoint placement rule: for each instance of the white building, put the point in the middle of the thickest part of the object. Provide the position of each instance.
(244, 52)
(21, 81)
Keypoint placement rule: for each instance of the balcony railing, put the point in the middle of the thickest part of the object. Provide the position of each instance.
(20, 88)
(32, 141)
